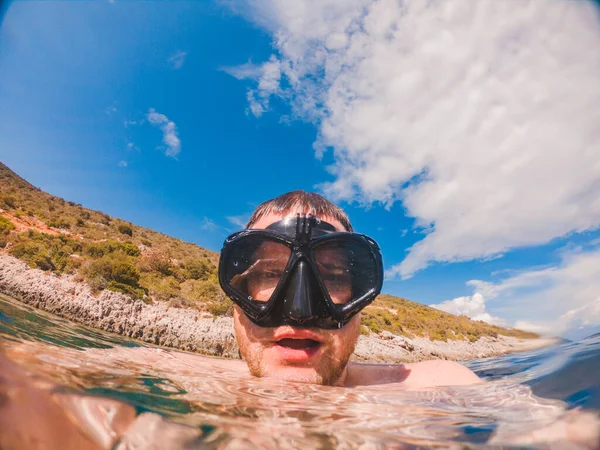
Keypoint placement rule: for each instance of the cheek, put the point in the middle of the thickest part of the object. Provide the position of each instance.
(261, 290)
(247, 332)
(348, 335)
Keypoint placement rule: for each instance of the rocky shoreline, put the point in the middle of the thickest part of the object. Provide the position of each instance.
(191, 330)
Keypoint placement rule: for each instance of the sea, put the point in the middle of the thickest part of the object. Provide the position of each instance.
(548, 398)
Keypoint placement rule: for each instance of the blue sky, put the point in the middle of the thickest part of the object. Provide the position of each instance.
(183, 116)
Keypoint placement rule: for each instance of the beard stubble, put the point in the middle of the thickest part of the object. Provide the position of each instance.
(329, 368)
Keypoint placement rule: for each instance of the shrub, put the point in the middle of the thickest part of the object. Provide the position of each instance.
(59, 223)
(222, 308)
(45, 252)
(157, 261)
(25, 250)
(137, 293)
(208, 295)
(125, 229)
(96, 282)
(80, 222)
(6, 226)
(210, 290)
(161, 288)
(129, 249)
(197, 269)
(374, 327)
(105, 219)
(180, 302)
(42, 261)
(96, 249)
(101, 272)
(9, 201)
(100, 249)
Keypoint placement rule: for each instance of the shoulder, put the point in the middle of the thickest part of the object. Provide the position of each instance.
(440, 373)
(368, 374)
(419, 375)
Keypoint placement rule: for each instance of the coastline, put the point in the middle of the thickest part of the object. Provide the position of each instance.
(192, 330)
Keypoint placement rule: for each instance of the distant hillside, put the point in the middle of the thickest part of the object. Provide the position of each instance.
(55, 235)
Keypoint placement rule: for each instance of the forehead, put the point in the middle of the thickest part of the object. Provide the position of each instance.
(271, 218)
(272, 249)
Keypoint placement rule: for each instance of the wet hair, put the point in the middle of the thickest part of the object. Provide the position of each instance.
(308, 202)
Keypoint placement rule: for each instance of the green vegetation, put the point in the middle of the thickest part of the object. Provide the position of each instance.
(106, 253)
(6, 226)
(116, 255)
(125, 229)
(57, 254)
(403, 317)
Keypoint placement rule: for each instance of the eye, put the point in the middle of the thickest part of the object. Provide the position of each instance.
(336, 276)
(271, 273)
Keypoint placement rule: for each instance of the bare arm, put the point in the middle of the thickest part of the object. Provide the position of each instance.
(439, 373)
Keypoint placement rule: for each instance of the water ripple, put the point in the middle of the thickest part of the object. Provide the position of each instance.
(236, 411)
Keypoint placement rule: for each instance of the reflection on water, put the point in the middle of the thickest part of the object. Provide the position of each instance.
(228, 409)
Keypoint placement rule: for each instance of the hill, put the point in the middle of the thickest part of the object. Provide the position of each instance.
(63, 237)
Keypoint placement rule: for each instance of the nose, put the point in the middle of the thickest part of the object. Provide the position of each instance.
(297, 304)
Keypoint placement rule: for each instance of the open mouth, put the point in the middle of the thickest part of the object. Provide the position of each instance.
(298, 344)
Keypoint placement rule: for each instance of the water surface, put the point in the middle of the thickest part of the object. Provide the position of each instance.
(528, 398)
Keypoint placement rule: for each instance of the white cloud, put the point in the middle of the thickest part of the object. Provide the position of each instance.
(470, 306)
(536, 327)
(177, 59)
(208, 225)
(248, 71)
(480, 117)
(550, 300)
(268, 77)
(122, 163)
(169, 130)
(239, 221)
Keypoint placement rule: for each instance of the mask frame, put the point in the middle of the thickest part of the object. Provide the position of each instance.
(302, 235)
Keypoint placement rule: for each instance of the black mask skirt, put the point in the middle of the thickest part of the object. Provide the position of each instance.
(301, 272)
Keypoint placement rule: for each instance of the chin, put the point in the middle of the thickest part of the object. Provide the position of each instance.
(297, 374)
(312, 371)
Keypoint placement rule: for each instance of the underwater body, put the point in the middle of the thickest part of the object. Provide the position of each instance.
(530, 399)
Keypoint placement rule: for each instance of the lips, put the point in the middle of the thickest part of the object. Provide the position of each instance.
(297, 333)
(297, 345)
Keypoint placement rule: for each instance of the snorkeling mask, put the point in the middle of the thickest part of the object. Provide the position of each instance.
(301, 272)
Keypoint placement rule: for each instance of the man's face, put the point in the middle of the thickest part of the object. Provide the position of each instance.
(310, 355)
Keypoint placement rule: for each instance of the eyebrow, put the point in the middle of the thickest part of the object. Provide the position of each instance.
(276, 253)
(330, 266)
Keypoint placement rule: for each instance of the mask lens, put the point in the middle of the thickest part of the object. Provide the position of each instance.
(347, 268)
(256, 265)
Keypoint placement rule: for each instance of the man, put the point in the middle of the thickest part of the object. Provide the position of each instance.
(299, 277)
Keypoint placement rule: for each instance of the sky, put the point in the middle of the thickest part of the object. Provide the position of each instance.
(463, 137)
